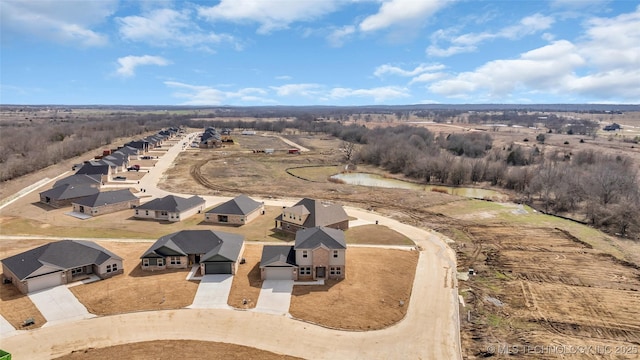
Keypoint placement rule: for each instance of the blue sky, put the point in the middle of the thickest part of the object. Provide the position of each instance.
(319, 52)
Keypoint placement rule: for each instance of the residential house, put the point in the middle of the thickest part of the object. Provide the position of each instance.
(66, 194)
(81, 179)
(318, 253)
(104, 170)
(106, 202)
(132, 152)
(237, 211)
(308, 213)
(59, 263)
(170, 208)
(216, 252)
(142, 146)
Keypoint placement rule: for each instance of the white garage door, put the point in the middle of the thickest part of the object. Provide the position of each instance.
(44, 281)
(279, 273)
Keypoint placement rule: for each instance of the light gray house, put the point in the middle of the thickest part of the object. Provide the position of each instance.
(237, 211)
(216, 252)
(106, 202)
(170, 208)
(318, 253)
(59, 263)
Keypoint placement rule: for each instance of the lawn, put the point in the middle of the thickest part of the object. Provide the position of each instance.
(369, 298)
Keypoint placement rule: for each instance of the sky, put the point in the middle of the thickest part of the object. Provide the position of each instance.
(319, 52)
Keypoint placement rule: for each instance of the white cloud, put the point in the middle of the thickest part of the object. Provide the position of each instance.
(394, 70)
(394, 12)
(604, 65)
(271, 15)
(284, 77)
(128, 64)
(378, 94)
(338, 36)
(67, 21)
(469, 42)
(306, 90)
(207, 95)
(168, 27)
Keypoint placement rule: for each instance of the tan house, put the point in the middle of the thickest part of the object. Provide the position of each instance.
(318, 253)
(59, 263)
(237, 211)
(65, 195)
(170, 208)
(308, 213)
(106, 202)
(216, 252)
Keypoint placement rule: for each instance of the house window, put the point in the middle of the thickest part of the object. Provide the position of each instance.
(304, 253)
(160, 262)
(164, 213)
(146, 212)
(305, 270)
(174, 260)
(108, 268)
(114, 267)
(335, 253)
(76, 271)
(136, 212)
(335, 271)
(145, 262)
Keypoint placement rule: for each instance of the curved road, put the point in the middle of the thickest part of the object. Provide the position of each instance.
(429, 331)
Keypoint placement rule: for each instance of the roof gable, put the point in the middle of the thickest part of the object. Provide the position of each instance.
(216, 245)
(320, 236)
(173, 203)
(321, 214)
(107, 198)
(240, 205)
(277, 255)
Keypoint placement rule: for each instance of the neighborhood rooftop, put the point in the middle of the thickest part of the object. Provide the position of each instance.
(240, 205)
(207, 242)
(172, 203)
(314, 237)
(106, 197)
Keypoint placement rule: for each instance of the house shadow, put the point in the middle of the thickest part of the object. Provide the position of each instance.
(207, 223)
(280, 235)
(308, 289)
(254, 276)
(138, 272)
(161, 222)
(44, 207)
(9, 292)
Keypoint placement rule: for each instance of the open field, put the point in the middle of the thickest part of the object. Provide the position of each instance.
(175, 350)
(373, 295)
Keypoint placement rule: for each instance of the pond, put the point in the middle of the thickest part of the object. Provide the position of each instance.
(374, 180)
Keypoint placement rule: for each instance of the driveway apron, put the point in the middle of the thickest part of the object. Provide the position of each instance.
(275, 297)
(213, 292)
(58, 305)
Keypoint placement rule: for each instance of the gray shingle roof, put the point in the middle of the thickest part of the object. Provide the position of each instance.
(64, 254)
(93, 168)
(240, 205)
(106, 198)
(210, 243)
(173, 203)
(313, 237)
(79, 179)
(68, 191)
(278, 255)
(320, 214)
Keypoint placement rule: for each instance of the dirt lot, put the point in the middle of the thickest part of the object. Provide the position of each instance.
(246, 282)
(175, 349)
(375, 235)
(369, 297)
(543, 286)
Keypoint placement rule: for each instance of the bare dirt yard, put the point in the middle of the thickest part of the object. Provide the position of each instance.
(136, 290)
(375, 235)
(175, 350)
(374, 294)
(246, 282)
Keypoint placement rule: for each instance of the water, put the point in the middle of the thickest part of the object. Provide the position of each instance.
(379, 181)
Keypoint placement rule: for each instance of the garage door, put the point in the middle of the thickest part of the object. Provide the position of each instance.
(279, 273)
(44, 281)
(217, 268)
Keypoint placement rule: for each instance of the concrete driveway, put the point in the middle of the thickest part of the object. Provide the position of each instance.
(59, 305)
(275, 297)
(213, 292)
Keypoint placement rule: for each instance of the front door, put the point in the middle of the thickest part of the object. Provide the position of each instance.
(81, 208)
(321, 272)
(197, 259)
